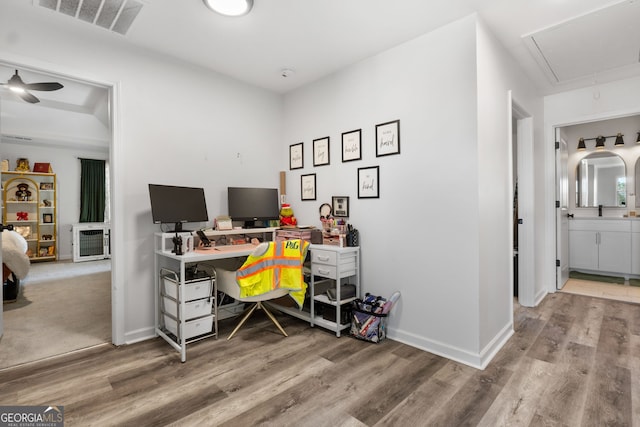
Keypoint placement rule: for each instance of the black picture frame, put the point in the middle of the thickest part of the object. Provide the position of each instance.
(308, 186)
(369, 182)
(321, 151)
(388, 138)
(340, 206)
(296, 156)
(47, 218)
(352, 145)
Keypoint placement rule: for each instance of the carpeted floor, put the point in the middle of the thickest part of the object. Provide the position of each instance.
(62, 307)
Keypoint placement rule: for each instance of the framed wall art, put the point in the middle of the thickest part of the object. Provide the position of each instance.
(351, 145)
(47, 218)
(388, 138)
(340, 206)
(369, 182)
(308, 186)
(321, 151)
(296, 156)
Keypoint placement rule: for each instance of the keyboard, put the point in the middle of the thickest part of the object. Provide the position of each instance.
(235, 248)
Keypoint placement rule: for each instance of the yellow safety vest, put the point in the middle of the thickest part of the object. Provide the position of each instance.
(280, 267)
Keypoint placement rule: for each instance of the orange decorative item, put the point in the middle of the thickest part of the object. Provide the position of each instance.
(286, 216)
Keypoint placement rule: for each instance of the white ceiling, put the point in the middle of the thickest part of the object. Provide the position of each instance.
(561, 44)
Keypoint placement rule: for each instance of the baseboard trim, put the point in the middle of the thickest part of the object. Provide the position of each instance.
(475, 360)
(138, 335)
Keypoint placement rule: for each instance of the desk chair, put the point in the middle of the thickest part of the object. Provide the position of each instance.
(226, 280)
(273, 270)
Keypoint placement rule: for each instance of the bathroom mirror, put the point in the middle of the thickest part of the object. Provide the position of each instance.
(601, 179)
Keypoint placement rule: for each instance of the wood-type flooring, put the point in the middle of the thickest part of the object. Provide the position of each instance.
(573, 361)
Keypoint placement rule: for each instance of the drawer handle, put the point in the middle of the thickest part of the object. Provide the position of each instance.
(323, 258)
(323, 271)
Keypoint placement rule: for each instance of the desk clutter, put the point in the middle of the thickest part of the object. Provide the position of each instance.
(369, 317)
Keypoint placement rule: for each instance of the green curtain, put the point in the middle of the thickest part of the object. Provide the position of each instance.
(92, 190)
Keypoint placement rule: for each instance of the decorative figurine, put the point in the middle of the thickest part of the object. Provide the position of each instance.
(23, 194)
(22, 165)
(286, 216)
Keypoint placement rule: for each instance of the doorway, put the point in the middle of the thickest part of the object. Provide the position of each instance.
(521, 123)
(106, 106)
(580, 278)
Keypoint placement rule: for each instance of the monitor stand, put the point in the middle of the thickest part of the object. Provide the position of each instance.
(177, 228)
(249, 224)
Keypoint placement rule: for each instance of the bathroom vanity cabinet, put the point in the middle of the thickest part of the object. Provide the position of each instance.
(604, 245)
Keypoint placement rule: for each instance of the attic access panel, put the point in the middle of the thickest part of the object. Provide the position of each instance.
(594, 43)
(114, 15)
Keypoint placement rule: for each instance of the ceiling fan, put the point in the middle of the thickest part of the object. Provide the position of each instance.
(16, 85)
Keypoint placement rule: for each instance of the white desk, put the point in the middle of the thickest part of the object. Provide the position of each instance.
(328, 262)
(168, 263)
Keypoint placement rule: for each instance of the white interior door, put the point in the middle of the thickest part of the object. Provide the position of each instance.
(562, 211)
(525, 173)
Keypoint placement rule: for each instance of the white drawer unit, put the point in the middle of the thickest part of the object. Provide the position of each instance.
(186, 309)
(192, 309)
(191, 290)
(191, 328)
(341, 265)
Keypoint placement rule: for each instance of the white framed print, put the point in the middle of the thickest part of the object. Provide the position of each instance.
(351, 145)
(369, 182)
(296, 156)
(388, 138)
(308, 186)
(321, 151)
(340, 206)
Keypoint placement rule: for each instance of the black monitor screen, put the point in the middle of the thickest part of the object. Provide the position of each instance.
(253, 204)
(177, 205)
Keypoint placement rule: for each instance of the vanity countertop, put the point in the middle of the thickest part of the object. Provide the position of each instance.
(598, 218)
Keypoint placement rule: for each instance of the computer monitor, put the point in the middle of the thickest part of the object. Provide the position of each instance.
(253, 204)
(177, 205)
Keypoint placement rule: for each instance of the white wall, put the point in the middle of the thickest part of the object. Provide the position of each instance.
(436, 213)
(209, 130)
(442, 205)
(65, 164)
(497, 75)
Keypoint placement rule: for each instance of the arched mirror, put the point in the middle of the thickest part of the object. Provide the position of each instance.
(601, 179)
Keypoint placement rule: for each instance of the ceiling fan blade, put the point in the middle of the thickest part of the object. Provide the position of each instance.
(26, 96)
(43, 86)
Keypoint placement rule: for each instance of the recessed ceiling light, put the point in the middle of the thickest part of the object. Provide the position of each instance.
(230, 7)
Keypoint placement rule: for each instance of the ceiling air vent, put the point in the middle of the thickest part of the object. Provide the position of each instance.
(114, 15)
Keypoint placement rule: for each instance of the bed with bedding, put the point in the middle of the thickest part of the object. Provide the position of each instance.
(15, 264)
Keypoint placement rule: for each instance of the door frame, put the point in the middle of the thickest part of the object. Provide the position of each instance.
(562, 212)
(526, 195)
(116, 161)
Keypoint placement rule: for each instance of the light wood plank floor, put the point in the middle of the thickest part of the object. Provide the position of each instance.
(573, 361)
